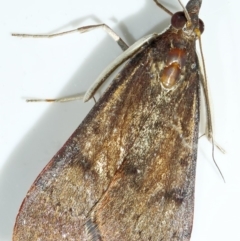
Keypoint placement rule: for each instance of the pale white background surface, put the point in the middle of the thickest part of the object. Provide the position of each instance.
(30, 134)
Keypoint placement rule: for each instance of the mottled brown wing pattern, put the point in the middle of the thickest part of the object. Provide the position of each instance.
(151, 195)
(123, 174)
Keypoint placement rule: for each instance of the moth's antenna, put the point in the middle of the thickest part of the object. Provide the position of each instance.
(185, 12)
(209, 118)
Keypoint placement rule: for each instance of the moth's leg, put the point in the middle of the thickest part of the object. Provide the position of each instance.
(133, 49)
(63, 99)
(83, 29)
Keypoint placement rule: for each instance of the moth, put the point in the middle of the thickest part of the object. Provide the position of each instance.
(128, 171)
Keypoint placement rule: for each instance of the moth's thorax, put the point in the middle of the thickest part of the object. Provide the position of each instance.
(174, 63)
(179, 52)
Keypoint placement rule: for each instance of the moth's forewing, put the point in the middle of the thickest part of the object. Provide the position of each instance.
(128, 171)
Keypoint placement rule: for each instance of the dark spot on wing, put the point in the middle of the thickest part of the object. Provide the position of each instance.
(130, 169)
(183, 162)
(85, 164)
(176, 194)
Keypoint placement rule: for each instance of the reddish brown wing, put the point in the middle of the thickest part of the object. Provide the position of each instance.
(128, 171)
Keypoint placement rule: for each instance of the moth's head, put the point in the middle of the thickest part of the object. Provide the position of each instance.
(188, 19)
